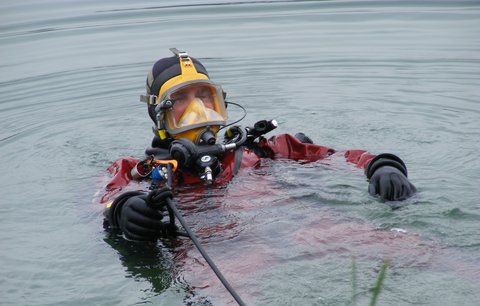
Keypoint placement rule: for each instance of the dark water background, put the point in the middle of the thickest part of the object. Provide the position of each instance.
(386, 76)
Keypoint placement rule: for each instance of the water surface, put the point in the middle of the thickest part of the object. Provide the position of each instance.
(386, 76)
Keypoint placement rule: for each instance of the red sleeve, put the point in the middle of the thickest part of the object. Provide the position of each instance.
(360, 158)
(120, 170)
(287, 146)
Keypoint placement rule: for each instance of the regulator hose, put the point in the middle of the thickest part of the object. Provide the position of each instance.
(172, 207)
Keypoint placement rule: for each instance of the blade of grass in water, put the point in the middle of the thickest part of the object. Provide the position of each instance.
(354, 281)
(379, 283)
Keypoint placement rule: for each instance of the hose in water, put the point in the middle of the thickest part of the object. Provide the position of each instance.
(191, 235)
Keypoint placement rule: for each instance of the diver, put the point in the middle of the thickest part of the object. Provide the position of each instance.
(189, 112)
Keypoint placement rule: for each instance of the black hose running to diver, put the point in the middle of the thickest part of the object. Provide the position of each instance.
(197, 244)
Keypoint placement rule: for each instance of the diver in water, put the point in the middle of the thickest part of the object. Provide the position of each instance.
(189, 112)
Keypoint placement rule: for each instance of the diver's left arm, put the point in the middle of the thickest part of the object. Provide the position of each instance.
(388, 178)
(386, 173)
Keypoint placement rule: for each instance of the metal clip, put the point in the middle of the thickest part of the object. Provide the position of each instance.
(207, 175)
(180, 54)
(149, 99)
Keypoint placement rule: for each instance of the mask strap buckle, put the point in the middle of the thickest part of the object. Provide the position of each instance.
(149, 99)
(180, 54)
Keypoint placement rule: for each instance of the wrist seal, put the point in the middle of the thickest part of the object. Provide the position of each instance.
(385, 159)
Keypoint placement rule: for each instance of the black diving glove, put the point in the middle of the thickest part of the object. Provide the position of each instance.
(387, 176)
(138, 218)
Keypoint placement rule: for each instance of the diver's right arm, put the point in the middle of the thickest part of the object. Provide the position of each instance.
(132, 213)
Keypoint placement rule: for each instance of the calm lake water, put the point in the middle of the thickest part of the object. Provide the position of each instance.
(385, 76)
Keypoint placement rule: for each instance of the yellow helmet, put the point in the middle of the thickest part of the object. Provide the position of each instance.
(182, 100)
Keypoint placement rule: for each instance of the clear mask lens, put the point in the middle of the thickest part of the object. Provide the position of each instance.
(195, 105)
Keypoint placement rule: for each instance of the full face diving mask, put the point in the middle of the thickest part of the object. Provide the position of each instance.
(196, 107)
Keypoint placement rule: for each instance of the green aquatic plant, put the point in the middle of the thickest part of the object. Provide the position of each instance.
(354, 281)
(378, 284)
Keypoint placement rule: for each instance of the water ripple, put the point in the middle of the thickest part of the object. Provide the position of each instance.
(386, 76)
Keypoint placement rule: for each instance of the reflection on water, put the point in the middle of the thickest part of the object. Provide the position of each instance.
(386, 76)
